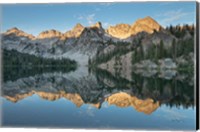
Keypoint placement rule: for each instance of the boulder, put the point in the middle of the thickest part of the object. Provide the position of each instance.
(146, 64)
(167, 64)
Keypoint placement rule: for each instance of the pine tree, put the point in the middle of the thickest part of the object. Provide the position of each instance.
(174, 49)
(141, 52)
(161, 50)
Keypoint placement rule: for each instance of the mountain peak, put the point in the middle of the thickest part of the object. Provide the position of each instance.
(146, 24)
(18, 32)
(119, 31)
(124, 31)
(78, 26)
(148, 17)
(97, 25)
(146, 20)
(49, 34)
(14, 29)
(75, 32)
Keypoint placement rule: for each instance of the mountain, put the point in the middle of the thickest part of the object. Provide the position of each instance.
(78, 42)
(124, 31)
(146, 24)
(164, 48)
(121, 31)
(16, 35)
(84, 43)
(75, 32)
(50, 34)
(98, 25)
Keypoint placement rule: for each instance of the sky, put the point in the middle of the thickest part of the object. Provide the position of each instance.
(35, 18)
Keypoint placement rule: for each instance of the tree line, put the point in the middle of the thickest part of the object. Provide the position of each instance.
(121, 48)
(15, 58)
(177, 48)
(179, 31)
(158, 51)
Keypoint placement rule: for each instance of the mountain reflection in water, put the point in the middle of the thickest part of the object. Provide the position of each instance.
(102, 86)
(96, 87)
(120, 99)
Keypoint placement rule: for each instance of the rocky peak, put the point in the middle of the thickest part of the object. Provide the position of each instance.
(97, 25)
(146, 24)
(124, 31)
(13, 30)
(49, 34)
(78, 27)
(75, 32)
(98, 28)
(17, 32)
(119, 31)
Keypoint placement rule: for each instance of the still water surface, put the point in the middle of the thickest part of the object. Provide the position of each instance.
(87, 98)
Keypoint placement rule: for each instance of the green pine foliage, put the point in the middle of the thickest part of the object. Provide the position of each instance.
(178, 47)
(14, 58)
(179, 31)
(121, 48)
(155, 51)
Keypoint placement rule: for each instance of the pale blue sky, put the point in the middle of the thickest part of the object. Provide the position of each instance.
(34, 18)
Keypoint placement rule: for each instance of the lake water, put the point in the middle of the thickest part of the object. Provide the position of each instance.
(87, 98)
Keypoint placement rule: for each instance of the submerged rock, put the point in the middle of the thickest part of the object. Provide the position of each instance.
(167, 74)
(167, 64)
(145, 64)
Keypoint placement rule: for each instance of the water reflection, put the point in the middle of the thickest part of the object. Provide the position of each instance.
(121, 100)
(143, 93)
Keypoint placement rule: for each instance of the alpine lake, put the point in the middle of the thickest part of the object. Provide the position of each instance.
(95, 98)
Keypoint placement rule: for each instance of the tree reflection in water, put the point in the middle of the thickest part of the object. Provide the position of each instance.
(145, 94)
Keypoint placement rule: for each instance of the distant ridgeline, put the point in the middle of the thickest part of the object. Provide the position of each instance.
(143, 44)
